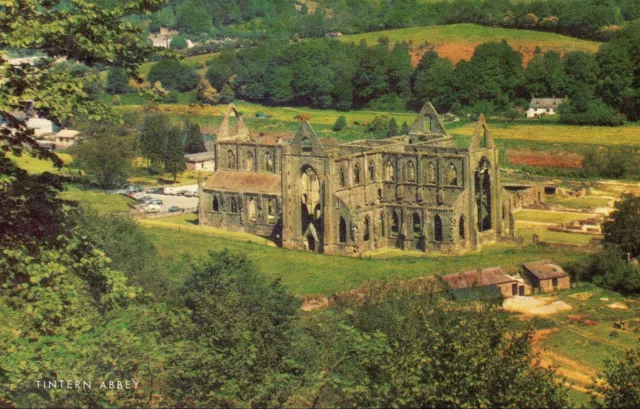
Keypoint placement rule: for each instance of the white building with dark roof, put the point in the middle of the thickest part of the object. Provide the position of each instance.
(543, 106)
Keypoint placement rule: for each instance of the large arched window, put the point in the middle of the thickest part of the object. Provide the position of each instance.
(461, 228)
(367, 229)
(268, 162)
(356, 174)
(388, 171)
(216, 204)
(342, 230)
(431, 173)
(483, 195)
(417, 225)
(437, 227)
(252, 210)
(271, 211)
(395, 224)
(231, 159)
(372, 172)
(411, 172)
(249, 162)
(234, 206)
(343, 178)
(452, 177)
(382, 225)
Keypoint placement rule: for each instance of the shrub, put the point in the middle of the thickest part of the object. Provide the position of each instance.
(340, 124)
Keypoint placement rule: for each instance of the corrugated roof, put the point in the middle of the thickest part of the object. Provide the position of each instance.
(545, 270)
(483, 278)
(546, 102)
(200, 157)
(244, 182)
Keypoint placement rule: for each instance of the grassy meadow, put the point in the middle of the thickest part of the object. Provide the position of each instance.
(98, 199)
(309, 273)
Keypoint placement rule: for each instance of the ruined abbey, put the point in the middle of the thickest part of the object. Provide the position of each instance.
(414, 192)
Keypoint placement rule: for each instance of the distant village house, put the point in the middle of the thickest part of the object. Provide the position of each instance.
(163, 38)
(503, 285)
(543, 106)
(333, 34)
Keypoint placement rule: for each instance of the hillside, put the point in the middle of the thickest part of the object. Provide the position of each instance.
(458, 41)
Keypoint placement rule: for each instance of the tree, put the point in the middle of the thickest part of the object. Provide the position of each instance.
(107, 160)
(174, 153)
(405, 129)
(173, 75)
(379, 127)
(621, 389)
(61, 32)
(205, 93)
(409, 348)
(226, 94)
(192, 18)
(153, 139)
(393, 128)
(117, 81)
(433, 80)
(340, 123)
(194, 142)
(623, 226)
(222, 68)
(244, 322)
(178, 42)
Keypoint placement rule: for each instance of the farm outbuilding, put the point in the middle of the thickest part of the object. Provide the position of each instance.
(546, 276)
(494, 278)
(200, 162)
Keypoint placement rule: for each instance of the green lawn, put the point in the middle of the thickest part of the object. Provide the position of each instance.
(35, 166)
(545, 216)
(309, 273)
(527, 230)
(102, 202)
(585, 202)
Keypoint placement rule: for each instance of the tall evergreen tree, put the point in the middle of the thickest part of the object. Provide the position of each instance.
(405, 128)
(117, 81)
(153, 140)
(393, 128)
(226, 94)
(174, 152)
(194, 142)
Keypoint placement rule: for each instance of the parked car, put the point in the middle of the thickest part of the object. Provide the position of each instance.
(156, 202)
(138, 195)
(152, 190)
(153, 208)
(190, 193)
(173, 209)
(147, 199)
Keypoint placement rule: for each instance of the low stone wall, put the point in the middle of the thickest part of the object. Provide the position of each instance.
(146, 215)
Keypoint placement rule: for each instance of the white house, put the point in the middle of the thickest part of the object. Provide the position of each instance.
(543, 106)
(200, 162)
(40, 126)
(163, 38)
(64, 138)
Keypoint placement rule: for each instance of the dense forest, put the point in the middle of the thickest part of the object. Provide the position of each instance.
(601, 88)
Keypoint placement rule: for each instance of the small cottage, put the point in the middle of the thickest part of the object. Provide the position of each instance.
(200, 162)
(493, 279)
(546, 276)
(543, 106)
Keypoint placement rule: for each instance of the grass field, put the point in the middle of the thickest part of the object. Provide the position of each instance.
(458, 41)
(585, 202)
(628, 135)
(102, 202)
(592, 345)
(308, 273)
(35, 165)
(544, 216)
(527, 229)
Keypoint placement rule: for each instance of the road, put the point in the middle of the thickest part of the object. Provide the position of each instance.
(180, 201)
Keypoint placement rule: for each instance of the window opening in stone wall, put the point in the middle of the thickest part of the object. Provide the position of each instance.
(342, 230)
(437, 225)
(417, 225)
(367, 229)
(395, 224)
(356, 174)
